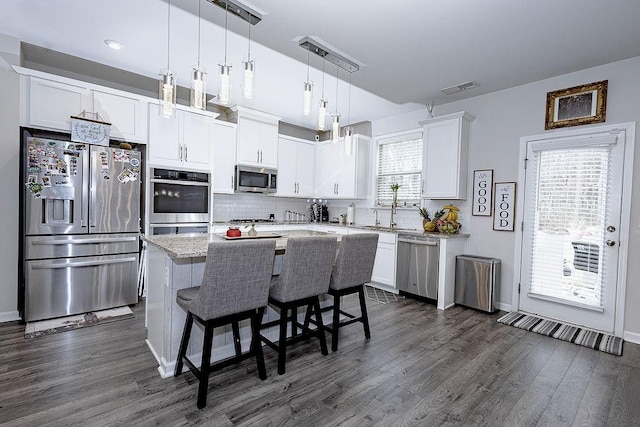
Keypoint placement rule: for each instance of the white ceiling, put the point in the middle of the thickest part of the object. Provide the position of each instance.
(408, 49)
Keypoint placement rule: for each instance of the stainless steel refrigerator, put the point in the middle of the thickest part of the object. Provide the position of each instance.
(80, 222)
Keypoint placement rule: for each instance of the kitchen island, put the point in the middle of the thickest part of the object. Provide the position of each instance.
(175, 262)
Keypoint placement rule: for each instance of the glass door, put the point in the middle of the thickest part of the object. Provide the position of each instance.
(573, 198)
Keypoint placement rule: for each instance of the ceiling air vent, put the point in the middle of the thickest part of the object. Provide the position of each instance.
(459, 87)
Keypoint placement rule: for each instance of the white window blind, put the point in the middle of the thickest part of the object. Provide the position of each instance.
(400, 161)
(569, 211)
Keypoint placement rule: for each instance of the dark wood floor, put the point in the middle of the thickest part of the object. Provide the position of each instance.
(421, 367)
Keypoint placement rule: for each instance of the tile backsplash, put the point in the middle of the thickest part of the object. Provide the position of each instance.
(255, 206)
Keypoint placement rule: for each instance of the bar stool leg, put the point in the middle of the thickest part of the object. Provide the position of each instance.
(282, 340)
(320, 326)
(336, 322)
(294, 321)
(186, 334)
(204, 365)
(363, 309)
(256, 345)
(236, 338)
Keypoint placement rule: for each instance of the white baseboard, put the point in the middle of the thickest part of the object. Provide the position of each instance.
(633, 337)
(9, 316)
(504, 307)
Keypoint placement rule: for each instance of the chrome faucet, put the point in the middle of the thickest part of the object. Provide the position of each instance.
(392, 224)
(377, 223)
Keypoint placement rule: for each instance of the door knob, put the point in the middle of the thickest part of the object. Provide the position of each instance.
(611, 229)
(610, 242)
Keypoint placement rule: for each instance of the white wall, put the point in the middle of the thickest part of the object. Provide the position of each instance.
(502, 118)
(9, 171)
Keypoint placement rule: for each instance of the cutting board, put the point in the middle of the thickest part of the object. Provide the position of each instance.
(260, 235)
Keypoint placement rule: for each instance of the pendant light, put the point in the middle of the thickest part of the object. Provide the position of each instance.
(308, 88)
(224, 80)
(348, 130)
(322, 109)
(199, 78)
(167, 82)
(335, 118)
(249, 76)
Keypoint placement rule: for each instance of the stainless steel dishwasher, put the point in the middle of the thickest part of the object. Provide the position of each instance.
(417, 265)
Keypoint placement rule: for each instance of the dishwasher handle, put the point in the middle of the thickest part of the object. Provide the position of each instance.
(419, 242)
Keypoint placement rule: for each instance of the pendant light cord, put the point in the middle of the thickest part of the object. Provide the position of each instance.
(199, 21)
(226, 20)
(249, 54)
(349, 102)
(322, 78)
(168, 33)
(337, 71)
(308, 54)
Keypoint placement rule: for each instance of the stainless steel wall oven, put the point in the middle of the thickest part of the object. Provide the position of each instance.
(179, 197)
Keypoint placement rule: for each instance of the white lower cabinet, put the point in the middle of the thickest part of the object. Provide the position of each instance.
(384, 266)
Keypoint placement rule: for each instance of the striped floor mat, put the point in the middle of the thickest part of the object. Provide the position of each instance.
(378, 295)
(584, 337)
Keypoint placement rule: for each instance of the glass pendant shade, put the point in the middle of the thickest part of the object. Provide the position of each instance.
(167, 94)
(348, 140)
(224, 86)
(249, 76)
(322, 115)
(198, 88)
(306, 106)
(335, 128)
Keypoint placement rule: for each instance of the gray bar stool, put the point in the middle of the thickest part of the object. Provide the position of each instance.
(235, 287)
(352, 269)
(306, 271)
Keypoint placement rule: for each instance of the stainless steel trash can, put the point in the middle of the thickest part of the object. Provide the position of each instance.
(477, 282)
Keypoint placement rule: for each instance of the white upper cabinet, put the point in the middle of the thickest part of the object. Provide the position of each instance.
(51, 104)
(181, 141)
(257, 137)
(340, 175)
(224, 157)
(446, 156)
(126, 113)
(296, 164)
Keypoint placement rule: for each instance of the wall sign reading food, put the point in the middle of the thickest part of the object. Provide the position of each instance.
(504, 206)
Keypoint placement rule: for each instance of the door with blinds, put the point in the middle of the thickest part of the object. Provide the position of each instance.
(571, 231)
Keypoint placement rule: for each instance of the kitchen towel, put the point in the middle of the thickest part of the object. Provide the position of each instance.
(62, 324)
(584, 337)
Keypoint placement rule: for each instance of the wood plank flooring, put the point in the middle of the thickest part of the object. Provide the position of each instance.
(421, 367)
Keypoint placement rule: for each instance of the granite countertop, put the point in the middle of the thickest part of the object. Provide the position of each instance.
(181, 246)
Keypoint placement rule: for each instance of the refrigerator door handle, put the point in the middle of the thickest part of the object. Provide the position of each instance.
(51, 265)
(84, 241)
(92, 212)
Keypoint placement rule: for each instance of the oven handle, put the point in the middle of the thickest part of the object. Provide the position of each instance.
(171, 181)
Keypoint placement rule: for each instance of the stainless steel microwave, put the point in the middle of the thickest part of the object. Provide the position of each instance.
(179, 196)
(250, 179)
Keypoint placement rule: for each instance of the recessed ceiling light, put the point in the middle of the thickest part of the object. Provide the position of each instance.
(115, 45)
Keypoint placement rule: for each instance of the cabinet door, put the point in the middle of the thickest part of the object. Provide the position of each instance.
(51, 104)
(269, 145)
(126, 115)
(165, 146)
(196, 139)
(442, 159)
(287, 172)
(224, 157)
(248, 148)
(347, 172)
(384, 266)
(326, 172)
(305, 170)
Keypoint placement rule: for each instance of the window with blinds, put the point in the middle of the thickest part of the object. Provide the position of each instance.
(400, 162)
(568, 216)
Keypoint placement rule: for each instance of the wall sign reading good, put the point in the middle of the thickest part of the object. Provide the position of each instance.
(482, 192)
(89, 131)
(504, 206)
